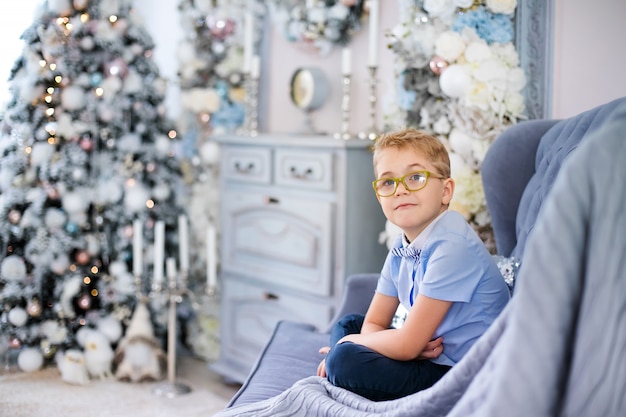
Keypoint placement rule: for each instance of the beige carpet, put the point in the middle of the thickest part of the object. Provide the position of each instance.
(44, 394)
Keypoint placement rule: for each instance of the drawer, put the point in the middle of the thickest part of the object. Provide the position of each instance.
(250, 313)
(300, 169)
(249, 164)
(281, 240)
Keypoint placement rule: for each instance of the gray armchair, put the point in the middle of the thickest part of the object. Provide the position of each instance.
(557, 349)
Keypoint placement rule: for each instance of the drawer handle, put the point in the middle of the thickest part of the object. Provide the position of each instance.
(270, 296)
(300, 175)
(244, 170)
(272, 200)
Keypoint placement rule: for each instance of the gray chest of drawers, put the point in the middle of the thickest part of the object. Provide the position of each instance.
(298, 216)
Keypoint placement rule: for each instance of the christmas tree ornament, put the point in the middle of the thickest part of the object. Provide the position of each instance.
(30, 359)
(14, 216)
(47, 349)
(15, 343)
(84, 302)
(34, 308)
(13, 268)
(18, 316)
(82, 257)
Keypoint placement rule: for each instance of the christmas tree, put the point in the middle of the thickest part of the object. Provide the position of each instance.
(85, 150)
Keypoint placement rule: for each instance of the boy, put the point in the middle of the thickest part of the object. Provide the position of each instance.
(438, 269)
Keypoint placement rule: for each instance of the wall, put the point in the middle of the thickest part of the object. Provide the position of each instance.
(589, 63)
(589, 55)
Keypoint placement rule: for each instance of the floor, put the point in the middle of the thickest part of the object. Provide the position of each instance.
(219, 386)
(198, 372)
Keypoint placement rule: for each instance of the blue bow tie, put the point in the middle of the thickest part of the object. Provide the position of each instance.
(408, 252)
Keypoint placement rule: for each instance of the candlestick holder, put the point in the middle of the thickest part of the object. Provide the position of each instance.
(345, 109)
(172, 388)
(372, 132)
(251, 103)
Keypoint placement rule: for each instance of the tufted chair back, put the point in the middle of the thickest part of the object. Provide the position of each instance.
(520, 167)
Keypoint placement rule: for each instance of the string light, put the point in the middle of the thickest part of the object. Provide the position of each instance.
(171, 134)
(112, 18)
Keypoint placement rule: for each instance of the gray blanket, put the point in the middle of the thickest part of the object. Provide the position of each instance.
(558, 348)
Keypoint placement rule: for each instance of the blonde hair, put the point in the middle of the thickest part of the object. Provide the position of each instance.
(419, 141)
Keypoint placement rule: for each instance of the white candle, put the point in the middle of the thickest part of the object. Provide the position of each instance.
(211, 257)
(255, 69)
(183, 245)
(170, 270)
(373, 33)
(159, 251)
(137, 248)
(248, 42)
(346, 61)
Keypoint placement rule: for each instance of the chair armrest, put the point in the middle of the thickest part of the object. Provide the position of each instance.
(357, 295)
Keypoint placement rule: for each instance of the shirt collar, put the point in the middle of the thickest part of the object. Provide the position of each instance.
(418, 242)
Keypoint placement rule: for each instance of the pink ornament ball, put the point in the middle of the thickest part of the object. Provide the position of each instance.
(34, 308)
(84, 302)
(437, 65)
(15, 216)
(86, 144)
(82, 257)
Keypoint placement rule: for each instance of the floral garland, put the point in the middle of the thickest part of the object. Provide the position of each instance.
(458, 77)
(212, 97)
(321, 24)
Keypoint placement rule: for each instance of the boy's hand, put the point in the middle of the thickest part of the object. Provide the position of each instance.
(321, 368)
(432, 350)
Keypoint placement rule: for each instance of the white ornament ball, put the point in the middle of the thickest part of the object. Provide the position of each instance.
(109, 192)
(55, 218)
(161, 191)
(87, 43)
(75, 202)
(118, 267)
(210, 153)
(73, 98)
(60, 264)
(135, 198)
(13, 268)
(461, 142)
(30, 360)
(41, 153)
(111, 328)
(60, 7)
(162, 144)
(18, 316)
(454, 81)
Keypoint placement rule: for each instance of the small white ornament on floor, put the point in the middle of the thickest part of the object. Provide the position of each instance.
(71, 364)
(30, 359)
(98, 352)
(139, 356)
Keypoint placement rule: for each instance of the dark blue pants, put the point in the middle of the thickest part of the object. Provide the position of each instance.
(370, 374)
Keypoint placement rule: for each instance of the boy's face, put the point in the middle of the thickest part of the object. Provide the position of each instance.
(412, 211)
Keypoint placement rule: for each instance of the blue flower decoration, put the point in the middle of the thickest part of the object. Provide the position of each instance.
(491, 27)
(405, 98)
(228, 116)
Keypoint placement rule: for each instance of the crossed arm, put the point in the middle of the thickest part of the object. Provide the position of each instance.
(412, 341)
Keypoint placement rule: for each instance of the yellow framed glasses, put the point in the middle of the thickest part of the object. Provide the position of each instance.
(413, 181)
